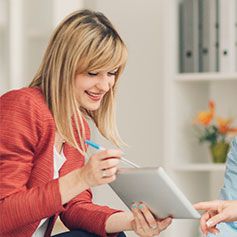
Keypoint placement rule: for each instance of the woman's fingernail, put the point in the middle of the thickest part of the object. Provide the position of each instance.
(141, 206)
(134, 206)
(209, 223)
(170, 221)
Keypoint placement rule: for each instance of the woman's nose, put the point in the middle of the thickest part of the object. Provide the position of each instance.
(104, 83)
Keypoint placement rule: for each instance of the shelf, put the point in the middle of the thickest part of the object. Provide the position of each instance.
(200, 167)
(208, 77)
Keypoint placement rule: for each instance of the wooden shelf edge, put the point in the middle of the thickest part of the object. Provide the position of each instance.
(217, 76)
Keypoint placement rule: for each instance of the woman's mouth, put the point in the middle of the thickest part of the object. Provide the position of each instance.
(94, 96)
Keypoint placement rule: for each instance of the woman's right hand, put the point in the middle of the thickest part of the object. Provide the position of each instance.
(100, 168)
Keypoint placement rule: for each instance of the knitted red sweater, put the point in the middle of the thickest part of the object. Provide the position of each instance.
(28, 192)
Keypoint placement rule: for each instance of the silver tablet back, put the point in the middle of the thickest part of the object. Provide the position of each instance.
(156, 189)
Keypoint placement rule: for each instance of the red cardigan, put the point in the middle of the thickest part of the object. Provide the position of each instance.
(28, 192)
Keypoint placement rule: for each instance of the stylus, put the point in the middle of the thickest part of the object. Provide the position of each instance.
(125, 161)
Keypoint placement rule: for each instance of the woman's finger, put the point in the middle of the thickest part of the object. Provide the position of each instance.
(150, 219)
(205, 216)
(107, 173)
(203, 223)
(211, 205)
(109, 163)
(147, 220)
(164, 223)
(138, 228)
(109, 153)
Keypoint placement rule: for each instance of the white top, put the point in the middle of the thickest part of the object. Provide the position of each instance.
(59, 160)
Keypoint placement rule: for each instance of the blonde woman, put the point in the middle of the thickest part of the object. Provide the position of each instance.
(43, 130)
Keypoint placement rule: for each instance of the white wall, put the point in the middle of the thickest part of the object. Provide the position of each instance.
(139, 110)
(140, 104)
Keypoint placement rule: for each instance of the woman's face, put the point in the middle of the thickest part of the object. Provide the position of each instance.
(90, 87)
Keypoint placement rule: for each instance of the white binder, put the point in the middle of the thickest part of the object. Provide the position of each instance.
(227, 35)
(209, 50)
(190, 47)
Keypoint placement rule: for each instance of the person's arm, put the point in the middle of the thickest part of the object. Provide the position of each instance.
(20, 125)
(216, 211)
(81, 212)
(228, 191)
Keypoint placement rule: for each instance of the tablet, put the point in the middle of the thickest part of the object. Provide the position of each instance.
(155, 188)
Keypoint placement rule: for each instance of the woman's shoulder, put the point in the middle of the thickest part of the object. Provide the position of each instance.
(23, 93)
(25, 99)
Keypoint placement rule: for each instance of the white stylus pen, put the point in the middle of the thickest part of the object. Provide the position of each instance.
(125, 161)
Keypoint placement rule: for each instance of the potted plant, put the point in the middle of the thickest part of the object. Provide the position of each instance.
(214, 131)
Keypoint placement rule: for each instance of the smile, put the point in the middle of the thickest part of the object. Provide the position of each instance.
(93, 95)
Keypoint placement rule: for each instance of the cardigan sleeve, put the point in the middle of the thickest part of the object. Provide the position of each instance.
(21, 127)
(81, 213)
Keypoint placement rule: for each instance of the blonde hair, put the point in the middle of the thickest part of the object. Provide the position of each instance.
(85, 41)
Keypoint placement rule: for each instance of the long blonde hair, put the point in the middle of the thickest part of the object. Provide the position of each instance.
(84, 41)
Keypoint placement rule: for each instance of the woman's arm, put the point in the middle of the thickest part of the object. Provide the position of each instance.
(222, 210)
(140, 220)
(21, 204)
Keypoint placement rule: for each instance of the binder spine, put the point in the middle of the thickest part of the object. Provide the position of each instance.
(227, 35)
(209, 36)
(190, 36)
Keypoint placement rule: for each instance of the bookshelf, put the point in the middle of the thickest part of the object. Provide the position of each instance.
(188, 162)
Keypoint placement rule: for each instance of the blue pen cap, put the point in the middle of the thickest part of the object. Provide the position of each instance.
(92, 144)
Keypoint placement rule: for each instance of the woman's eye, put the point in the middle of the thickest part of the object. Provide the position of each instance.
(112, 73)
(92, 74)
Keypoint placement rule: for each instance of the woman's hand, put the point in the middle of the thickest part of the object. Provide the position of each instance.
(216, 211)
(145, 224)
(100, 169)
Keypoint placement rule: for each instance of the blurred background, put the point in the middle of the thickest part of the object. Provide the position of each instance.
(156, 102)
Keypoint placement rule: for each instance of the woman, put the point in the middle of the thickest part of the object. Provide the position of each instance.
(220, 216)
(43, 130)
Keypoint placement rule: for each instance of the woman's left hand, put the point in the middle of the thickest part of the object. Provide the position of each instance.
(145, 224)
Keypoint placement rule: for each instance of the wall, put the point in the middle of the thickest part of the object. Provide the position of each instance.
(139, 110)
(140, 105)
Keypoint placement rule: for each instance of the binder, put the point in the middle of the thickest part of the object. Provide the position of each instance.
(227, 35)
(190, 48)
(209, 51)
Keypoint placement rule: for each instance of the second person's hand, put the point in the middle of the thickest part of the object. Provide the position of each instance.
(215, 212)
